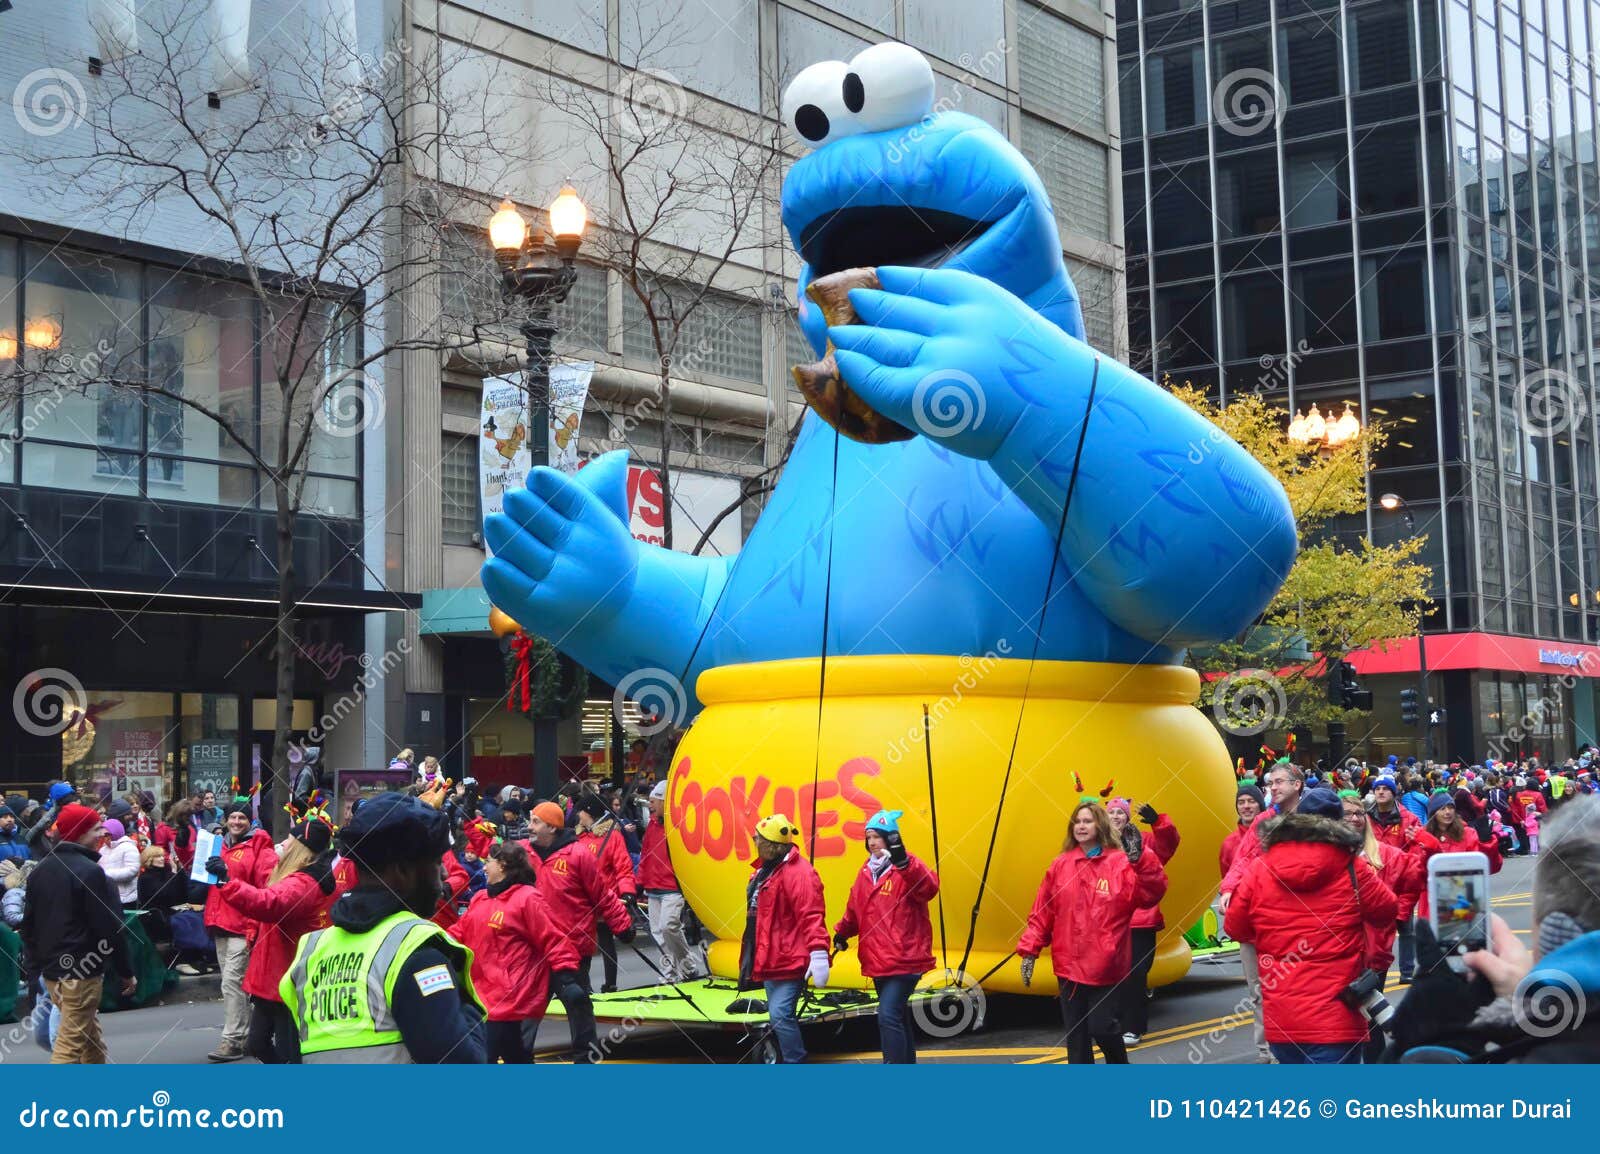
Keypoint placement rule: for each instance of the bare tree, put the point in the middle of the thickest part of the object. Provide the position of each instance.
(296, 170)
(687, 181)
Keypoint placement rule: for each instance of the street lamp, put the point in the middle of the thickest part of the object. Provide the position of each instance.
(529, 271)
(1313, 430)
(1394, 502)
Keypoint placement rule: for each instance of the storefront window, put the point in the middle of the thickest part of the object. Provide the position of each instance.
(209, 735)
(124, 741)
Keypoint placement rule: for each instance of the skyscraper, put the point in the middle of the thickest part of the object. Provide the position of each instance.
(1389, 206)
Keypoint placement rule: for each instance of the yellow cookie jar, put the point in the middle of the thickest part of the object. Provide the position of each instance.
(759, 747)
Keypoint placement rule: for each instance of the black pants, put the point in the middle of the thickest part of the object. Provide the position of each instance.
(1133, 1008)
(571, 989)
(608, 954)
(508, 1042)
(270, 1038)
(1089, 1014)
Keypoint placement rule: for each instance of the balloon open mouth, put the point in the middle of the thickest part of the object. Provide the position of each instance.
(886, 235)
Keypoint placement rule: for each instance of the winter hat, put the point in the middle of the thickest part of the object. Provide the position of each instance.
(1121, 803)
(658, 791)
(317, 835)
(550, 813)
(593, 806)
(115, 828)
(61, 791)
(1440, 801)
(511, 806)
(119, 809)
(1321, 803)
(1386, 782)
(74, 821)
(1252, 790)
(237, 805)
(147, 800)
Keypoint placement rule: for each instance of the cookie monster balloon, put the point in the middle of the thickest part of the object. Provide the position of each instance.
(972, 622)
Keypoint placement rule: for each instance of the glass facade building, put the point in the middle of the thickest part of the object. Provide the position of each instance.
(1393, 206)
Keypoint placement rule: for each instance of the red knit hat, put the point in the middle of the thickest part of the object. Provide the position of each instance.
(74, 821)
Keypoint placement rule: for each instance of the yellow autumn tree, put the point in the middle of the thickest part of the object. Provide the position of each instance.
(1336, 599)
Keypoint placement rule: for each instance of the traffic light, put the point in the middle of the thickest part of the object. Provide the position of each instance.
(1408, 706)
(1344, 690)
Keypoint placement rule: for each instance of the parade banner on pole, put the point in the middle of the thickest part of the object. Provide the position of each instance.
(569, 390)
(505, 452)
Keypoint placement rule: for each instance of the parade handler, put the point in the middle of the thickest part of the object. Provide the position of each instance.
(383, 983)
(785, 938)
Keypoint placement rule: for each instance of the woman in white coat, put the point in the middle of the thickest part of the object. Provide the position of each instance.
(119, 857)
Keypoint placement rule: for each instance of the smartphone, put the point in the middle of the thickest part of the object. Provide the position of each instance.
(1458, 903)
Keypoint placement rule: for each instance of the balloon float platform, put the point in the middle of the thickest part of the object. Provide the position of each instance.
(970, 592)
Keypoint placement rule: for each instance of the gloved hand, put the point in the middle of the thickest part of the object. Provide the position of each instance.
(1148, 814)
(896, 848)
(632, 902)
(840, 943)
(218, 869)
(1134, 848)
(817, 971)
(1440, 1002)
(624, 936)
(1027, 970)
(582, 521)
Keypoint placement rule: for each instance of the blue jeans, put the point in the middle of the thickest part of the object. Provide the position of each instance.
(1318, 1053)
(782, 997)
(1405, 943)
(894, 1032)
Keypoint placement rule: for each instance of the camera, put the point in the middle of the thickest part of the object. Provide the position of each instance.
(1366, 994)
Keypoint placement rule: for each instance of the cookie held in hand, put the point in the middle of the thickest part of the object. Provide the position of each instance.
(824, 389)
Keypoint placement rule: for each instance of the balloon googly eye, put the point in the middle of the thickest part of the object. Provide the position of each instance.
(888, 86)
(814, 106)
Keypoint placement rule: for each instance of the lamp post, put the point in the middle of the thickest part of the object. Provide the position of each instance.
(531, 272)
(1393, 502)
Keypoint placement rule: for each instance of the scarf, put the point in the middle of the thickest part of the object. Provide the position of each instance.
(878, 864)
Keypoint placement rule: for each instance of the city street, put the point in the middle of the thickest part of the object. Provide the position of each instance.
(1196, 1021)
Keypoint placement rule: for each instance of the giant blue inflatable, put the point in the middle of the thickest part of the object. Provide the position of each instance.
(996, 606)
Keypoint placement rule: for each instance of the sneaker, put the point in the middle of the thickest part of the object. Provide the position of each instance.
(187, 969)
(226, 1053)
(1130, 1039)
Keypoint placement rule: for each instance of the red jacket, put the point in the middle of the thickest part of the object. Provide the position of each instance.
(1230, 846)
(1162, 840)
(282, 914)
(1403, 873)
(1428, 844)
(1401, 833)
(574, 893)
(456, 882)
(655, 861)
(1306, 905)
(1522, 799)
(511, 939)
(1249, 850)
(789, 920)
(890, 914)
(251, 861)
(606, 843)
(1083, 910)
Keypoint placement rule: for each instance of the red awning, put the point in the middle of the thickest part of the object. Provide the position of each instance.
(1481, 651)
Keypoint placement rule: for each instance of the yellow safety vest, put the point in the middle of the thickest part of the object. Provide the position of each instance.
(340, 987)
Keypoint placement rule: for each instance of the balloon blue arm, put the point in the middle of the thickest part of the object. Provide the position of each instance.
(566, 567)
(1175, 533)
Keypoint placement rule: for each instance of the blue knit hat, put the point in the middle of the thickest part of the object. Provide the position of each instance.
(1321, 803)
(1438, 801)
(1386, 782)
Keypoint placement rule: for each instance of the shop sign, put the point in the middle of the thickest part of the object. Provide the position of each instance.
(1560, 657)
(697, 499)
(212, 765)
(136, 751)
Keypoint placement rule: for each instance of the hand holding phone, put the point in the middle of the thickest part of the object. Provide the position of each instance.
(1458, 904)
(1506, 963)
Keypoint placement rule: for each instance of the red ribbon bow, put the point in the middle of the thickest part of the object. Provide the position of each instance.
(522, 649)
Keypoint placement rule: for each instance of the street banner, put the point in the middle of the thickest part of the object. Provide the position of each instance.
(569, 390)
(504, 455)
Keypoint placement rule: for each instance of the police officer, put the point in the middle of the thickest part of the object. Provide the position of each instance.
(383, 983)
